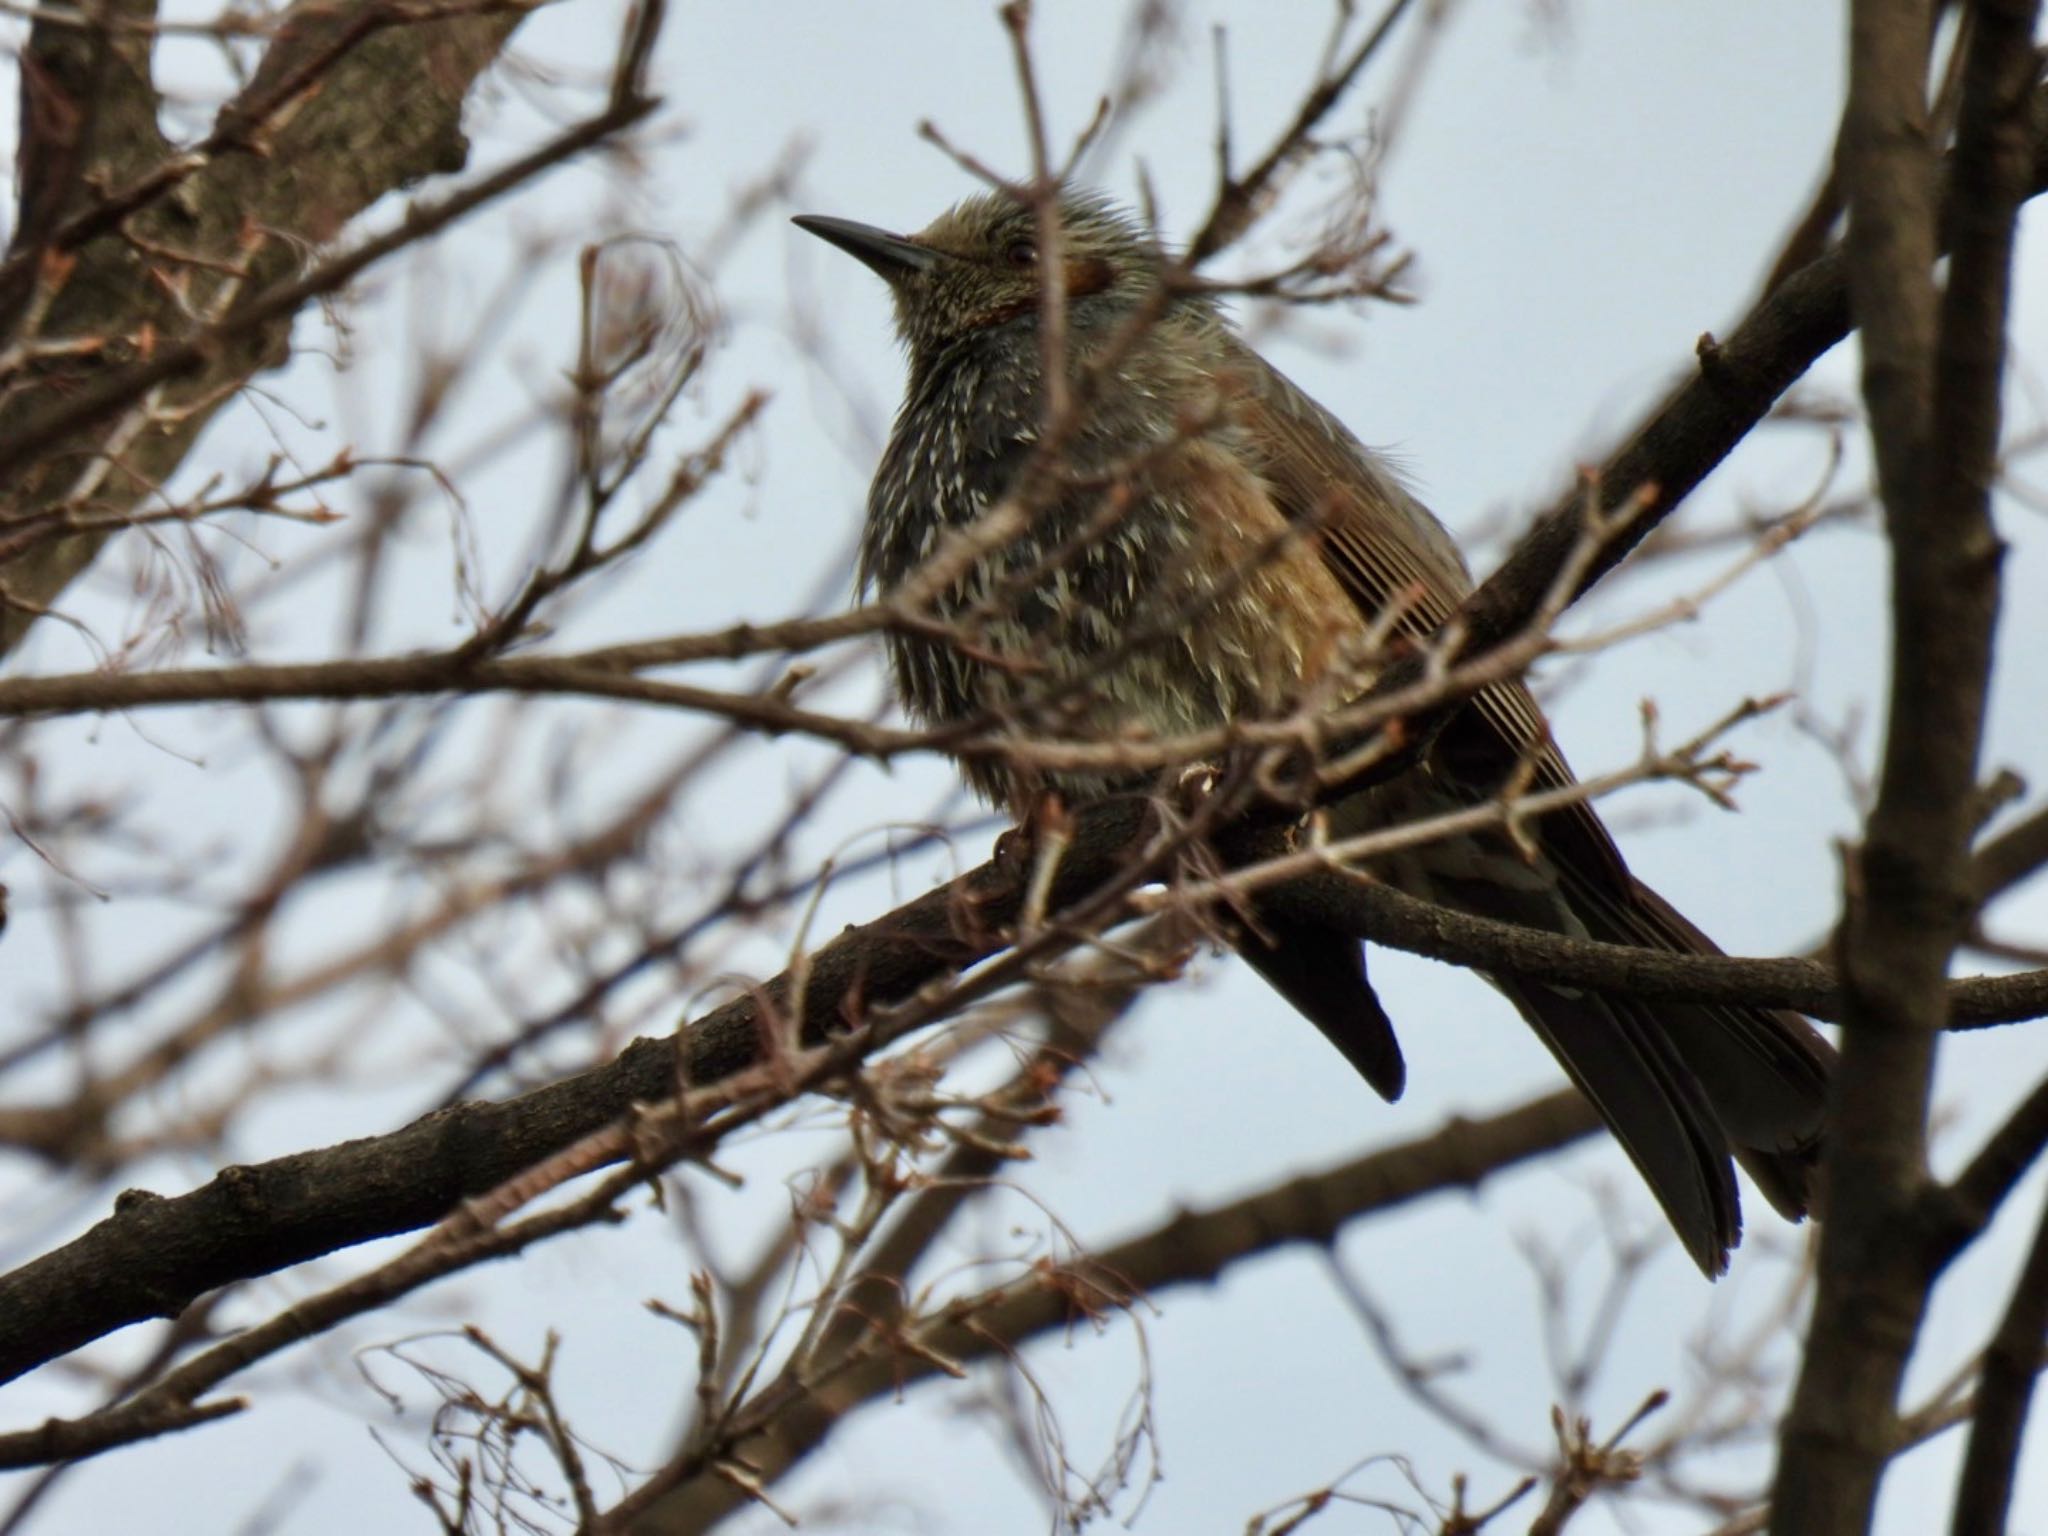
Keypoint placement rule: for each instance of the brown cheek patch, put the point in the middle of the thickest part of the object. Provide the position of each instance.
(1086, 275)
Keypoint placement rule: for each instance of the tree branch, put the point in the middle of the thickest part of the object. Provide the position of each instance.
(330, 125)
(2005, 1391)
(1378, 913)
(1979, 1190)
(1932, 375)
(155, 1254)
(1194, 1247)
(2015, 854)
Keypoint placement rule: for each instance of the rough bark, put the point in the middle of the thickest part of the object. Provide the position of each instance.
(1933, 366)
(129, 240)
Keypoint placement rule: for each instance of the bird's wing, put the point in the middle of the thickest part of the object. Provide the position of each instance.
(1764, 1070)
(1390, 554)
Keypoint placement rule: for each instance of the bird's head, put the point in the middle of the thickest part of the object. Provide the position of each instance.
(975, 270)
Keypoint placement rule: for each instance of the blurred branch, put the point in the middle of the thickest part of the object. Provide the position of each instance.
(79, 1128)
(1947, 1409)
(1193, 1246)
(184, 359)
(2005, 1389)
(2016, 854)
(1966, 1206)
(1734, 387)
(153, 1255)
(873, 1299)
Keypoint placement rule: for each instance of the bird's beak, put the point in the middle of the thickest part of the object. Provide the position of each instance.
(890, 257)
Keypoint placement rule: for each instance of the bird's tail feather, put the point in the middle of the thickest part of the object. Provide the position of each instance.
(1682, 1086)
(1763, 1070)
(1322, 974)
(1624, 1061)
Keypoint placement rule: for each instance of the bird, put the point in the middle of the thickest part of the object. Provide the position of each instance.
(1211, 546)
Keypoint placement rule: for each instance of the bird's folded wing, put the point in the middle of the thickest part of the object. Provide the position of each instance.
(1392, 556)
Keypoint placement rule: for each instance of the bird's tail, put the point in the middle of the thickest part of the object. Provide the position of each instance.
(1764, 1070)
(1625, 1062)
(1322, 974)
(1684, 1085)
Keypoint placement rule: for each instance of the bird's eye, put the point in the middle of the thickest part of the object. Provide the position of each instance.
(1021, 253)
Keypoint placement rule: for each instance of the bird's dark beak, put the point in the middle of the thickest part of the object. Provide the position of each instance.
(890, 257)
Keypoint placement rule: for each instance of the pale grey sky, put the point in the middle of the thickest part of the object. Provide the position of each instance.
(1584, 197)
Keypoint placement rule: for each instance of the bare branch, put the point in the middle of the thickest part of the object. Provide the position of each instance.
(2005, 1390)
(1932, 371)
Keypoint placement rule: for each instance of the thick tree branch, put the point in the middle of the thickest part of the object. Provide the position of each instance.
(153, 1255)
(1932, 375)
(318, 107)
(1194, 1247)
(1382, 915)
(272, 306)
(87, 101)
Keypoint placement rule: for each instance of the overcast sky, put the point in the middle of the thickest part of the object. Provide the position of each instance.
(1585, 188)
